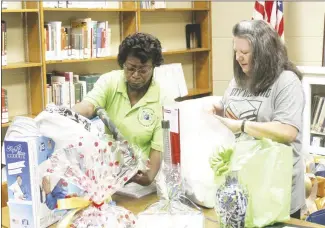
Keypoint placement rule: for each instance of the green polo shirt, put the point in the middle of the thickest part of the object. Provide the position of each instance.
(140, 124)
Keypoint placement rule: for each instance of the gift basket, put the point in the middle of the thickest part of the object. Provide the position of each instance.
(95, 163)
(254, 178)
(173, 209)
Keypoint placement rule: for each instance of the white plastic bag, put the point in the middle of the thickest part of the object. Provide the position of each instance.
(21, 127)
(200, 135)
(64, 126)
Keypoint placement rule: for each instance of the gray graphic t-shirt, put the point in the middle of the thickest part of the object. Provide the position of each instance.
(284, 102)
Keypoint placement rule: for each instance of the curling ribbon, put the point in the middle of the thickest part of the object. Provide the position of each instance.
(78, 204)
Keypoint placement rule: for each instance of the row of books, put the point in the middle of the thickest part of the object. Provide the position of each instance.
(318, 114)
(3, 43)
(82, 4)
(4, 106)
(153, 4)
(106, 4)
(4, 4)
(82, 39)
(318, 141)
(67, 88)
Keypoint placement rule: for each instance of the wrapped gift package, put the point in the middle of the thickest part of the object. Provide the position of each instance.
(63, 168)
(173, 209)
(96, 163)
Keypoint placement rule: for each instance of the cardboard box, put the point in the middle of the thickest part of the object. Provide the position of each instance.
(32, 197)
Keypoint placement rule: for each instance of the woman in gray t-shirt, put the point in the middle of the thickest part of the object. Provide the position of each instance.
(265, 98)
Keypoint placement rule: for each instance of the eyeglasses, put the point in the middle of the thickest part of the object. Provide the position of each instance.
(141, 70)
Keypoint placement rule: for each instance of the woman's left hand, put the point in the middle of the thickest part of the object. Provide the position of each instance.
(233, 125)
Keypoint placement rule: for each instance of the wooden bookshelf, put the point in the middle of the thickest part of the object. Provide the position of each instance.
(88, 10)
(81, 60)
(200, 13)
(171, 52)
(184, 51)
(174, 9)
(196, 92)
(24, 68)
(317, 133)
(6, 124)
(129, 18)
(313, 83)
(20, 65)
(20, 11)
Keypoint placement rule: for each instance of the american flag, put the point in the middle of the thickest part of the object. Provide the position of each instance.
(272, 12)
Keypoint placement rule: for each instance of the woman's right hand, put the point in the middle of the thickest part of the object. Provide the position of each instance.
(46, 185)
(216, 109)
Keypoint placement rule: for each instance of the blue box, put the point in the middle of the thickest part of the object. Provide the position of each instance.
(30, 193)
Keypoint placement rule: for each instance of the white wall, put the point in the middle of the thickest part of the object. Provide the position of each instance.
(304, 27)
(304, 32)
(224, 16)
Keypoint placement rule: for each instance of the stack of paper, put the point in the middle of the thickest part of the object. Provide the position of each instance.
(171, 80)
(137, 191)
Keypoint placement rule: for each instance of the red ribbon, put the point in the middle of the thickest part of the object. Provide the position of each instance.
(98, 205)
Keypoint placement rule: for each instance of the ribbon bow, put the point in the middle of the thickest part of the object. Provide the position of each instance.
(78, 204)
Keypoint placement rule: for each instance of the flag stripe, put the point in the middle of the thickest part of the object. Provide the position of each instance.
(281, 28)
(268, 10)
(260, 8)
(271, 12)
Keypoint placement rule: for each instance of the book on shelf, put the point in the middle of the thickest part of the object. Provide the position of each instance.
(80, 88)
(318, 114)
(82, 4)
(317, 141)
(82, 39)
(193, 36)
(78, 92)
(89, 80)
(68, 89)
(153, 4)
(3, 43)
(4, 4)
(4, 106)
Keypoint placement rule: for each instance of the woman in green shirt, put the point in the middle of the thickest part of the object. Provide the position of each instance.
(132, 99)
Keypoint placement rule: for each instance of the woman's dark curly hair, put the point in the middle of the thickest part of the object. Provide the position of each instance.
(143, 46)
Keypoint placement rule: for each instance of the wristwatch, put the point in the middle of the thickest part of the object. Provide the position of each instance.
(242, 128)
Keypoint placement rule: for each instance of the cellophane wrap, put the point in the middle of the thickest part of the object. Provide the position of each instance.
(172, 202)
(99, 166)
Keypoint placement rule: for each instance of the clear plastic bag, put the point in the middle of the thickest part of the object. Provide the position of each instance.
(201, 133)
(94, 163)
(173, 209)
(98, 167)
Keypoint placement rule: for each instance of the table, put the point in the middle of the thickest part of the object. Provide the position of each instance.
(139, 205)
